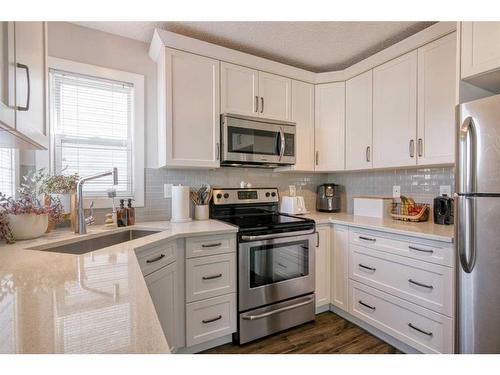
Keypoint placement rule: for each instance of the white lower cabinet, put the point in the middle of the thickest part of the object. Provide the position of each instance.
(322, 259)
(339, 266)
(416, 326)
(210, 318)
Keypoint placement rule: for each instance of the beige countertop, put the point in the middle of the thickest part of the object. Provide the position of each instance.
(92, 303)
(426, 229)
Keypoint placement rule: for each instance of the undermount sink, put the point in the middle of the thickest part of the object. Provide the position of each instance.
(87, 245)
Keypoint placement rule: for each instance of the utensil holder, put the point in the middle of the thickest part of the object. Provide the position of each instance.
(201, 212)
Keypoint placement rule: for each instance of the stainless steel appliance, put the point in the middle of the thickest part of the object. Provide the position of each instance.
(256, 142)
(477, 218)
(328, 198)
(276, 274)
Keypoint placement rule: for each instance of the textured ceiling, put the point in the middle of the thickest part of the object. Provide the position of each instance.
(315, 46)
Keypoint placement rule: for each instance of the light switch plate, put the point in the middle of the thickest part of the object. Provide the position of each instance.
(445, 189)
(167, 190)
(396, 191)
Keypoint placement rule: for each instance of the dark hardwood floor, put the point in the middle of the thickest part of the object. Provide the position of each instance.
(328, 334)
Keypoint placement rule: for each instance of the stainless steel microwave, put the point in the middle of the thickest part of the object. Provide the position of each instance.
(256, 142)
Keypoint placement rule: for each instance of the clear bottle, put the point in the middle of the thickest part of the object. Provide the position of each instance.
(121, 214)
(130, 212)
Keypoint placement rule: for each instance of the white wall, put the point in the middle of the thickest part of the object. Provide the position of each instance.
(72, 42)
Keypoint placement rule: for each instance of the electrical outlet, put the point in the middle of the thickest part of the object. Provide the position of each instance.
(396, 191)
(167, 190)
(445, 189)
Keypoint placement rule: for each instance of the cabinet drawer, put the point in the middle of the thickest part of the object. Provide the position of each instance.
(428, 285)
(155, 256)
(411, 247)
(210, 245)
(418, 327)
(210, 319)
(210, 276)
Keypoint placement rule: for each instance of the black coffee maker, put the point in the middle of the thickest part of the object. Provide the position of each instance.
(443, 210)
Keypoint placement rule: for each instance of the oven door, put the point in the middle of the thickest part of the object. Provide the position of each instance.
(249, 140)
(275, 269)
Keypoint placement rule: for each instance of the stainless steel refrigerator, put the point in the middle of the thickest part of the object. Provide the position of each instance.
(477, 226)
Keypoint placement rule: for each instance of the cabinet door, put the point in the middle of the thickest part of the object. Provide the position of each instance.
(7, 75)
(395, 112)
(339, 266)
(436, 102)
(323, 267)
(358, 122)
(31, 77)
(329, 126)
(239, 90)
(480, 50)
(162, 286)
(275, 96)
(192, 110)
(303, 116)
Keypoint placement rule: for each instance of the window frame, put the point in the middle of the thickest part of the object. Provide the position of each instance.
(137, 131)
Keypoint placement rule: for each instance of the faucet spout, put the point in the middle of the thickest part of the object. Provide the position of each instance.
(81, 226)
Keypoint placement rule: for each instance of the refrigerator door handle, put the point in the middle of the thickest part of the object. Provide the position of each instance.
(467, 156)
(466, 239)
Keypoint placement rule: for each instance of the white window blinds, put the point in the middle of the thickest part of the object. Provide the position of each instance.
(93, 124)
(7, 172)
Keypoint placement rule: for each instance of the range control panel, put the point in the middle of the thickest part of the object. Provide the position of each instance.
(241, 196)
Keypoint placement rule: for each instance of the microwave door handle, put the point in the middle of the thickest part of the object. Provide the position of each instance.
(282, 143)
(467, 156)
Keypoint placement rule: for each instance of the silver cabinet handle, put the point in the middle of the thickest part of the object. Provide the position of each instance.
(261, 104)
(27, 107)
(373, 308)
(256, 104)
(420, 147)
(277, 311)
(317, 157)
(160, 257)
(420, 284)
(212, 277)
(367, 239)
(217, 145)
(205, 321)
(211, 244)
(367, 268)
(368, 153)
(281, 265)
(412, 148)
(420, 330)
(421, 250)
(317, 239)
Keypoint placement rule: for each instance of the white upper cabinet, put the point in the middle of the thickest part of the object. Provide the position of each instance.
(358, 122)
(189, 111)
(480, 48)
(275, 96)
(303, 116)
(436, 102)
(239, 90)
(395, 112)
(7, 75)
(329, 126)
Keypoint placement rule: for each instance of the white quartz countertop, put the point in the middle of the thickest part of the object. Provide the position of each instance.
(427, 229)
(92, 303)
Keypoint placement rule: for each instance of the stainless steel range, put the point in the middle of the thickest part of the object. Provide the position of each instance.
(275, 261)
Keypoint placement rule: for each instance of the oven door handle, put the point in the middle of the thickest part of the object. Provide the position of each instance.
(277, 311)
(276, 235)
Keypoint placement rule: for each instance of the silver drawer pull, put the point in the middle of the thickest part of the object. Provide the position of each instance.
(205, 321)
(373, 308)
(212, 244)
(282, 265)
(367, 239)
(421, 250)
(420, 330)
(160, 257)
(420, 284)
(212, 277)
(367, 268)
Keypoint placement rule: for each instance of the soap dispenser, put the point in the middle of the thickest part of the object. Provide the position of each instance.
(130, 212)
(122, 214)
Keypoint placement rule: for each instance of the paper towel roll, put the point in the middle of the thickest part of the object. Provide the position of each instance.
(180, 204)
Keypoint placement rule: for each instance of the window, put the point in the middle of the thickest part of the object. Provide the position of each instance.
(97, 123)
(7, 171)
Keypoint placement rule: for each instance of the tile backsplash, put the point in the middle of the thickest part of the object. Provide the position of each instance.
(422, 184)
